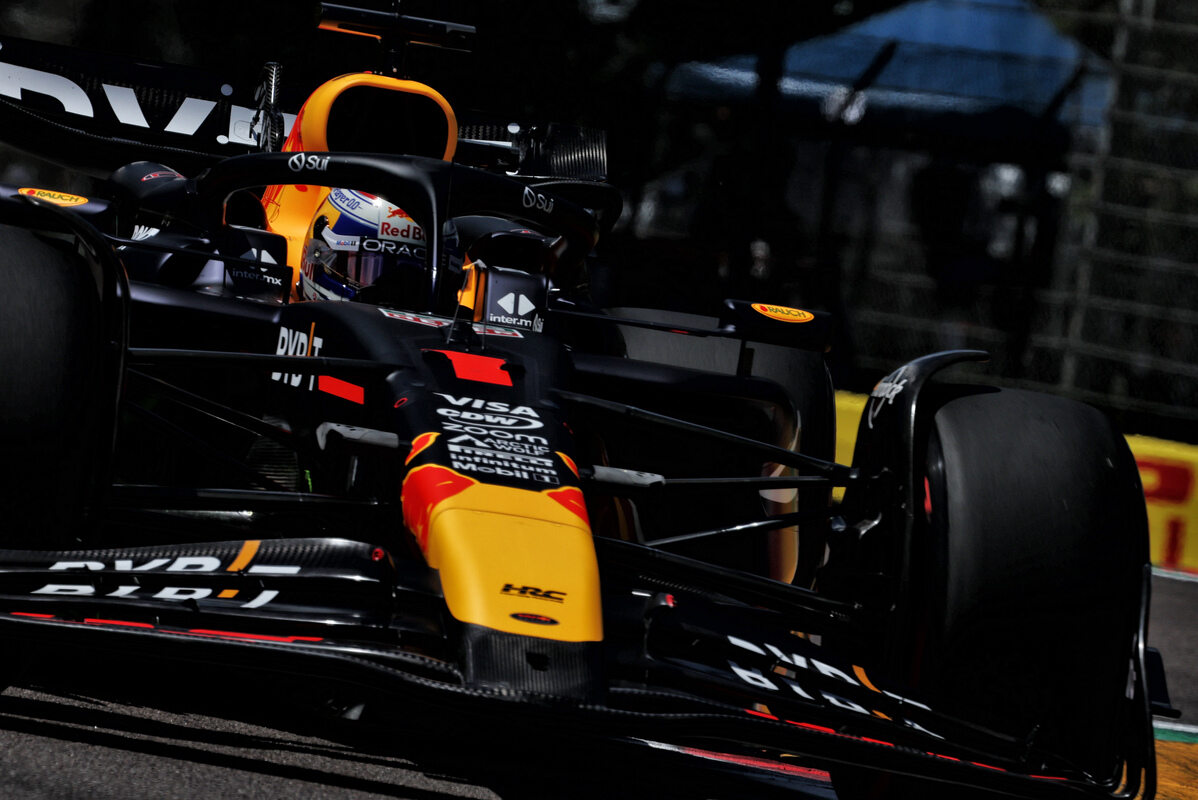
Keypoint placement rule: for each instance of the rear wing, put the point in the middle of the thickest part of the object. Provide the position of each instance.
(95, 111)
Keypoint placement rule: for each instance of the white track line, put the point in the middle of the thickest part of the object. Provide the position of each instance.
(1189, 577)
(1176, 727)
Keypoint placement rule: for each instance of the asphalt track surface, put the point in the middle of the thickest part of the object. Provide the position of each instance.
(137, 732)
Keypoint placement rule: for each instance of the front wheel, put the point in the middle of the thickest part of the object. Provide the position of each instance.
(1027, 562)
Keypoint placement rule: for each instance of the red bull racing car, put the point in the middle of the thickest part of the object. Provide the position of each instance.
(343, 409)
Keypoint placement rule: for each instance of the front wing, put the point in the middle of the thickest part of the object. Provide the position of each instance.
(696, 659)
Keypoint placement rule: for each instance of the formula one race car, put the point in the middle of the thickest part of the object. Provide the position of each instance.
(346, 411)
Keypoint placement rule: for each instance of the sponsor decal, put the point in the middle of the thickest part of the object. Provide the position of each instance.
(794, 659)
(392, 248)
(536, 325)
(517, 310)
(259, 254)
(16, 82)
(336, 242)
(534, 462)
(884, 393)
(181, 564)
(1169, 482)
(531, 199)
(171, 593)
(513, 299)
(297, 343)
(507, 465)
(552, 595)
(406, 230)
(523, 443)
(195, 564)
(535, 619)
(346, 201)
(785, 673)
(488, 405)
(141, 232)
(57, 198)
(441, 322)
(487, 420)
(262, 274)
(489, 415)
(1168, 475)
(783, 313)
(307, 343)
(303, 161)
(517, 304)
(493, 433)
(259, 277)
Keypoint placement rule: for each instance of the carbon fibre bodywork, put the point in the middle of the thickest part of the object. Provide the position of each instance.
(457, 502)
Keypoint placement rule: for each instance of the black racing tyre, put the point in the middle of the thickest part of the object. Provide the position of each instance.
(51, 357)
(805, 379)
(1025, 588)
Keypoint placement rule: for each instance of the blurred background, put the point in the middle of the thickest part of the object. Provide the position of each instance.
(1013, 175)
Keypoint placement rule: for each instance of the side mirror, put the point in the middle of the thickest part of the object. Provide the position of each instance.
(775, 324)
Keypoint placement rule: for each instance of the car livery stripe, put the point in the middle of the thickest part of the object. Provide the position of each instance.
(249, 549)
(481, 369)
(840, 735)
(744, 761)
(571, 498)
(865, 681)
(199, 632)
(424, 488)
(420, 444)
(257, 637)
(569, 462)
(343, 389)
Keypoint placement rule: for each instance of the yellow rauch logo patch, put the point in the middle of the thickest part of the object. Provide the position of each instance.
(783, 313)
(57, 198)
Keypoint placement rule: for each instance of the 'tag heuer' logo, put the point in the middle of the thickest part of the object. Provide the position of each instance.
(783, 313)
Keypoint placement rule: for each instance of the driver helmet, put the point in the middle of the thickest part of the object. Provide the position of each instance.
(360, 247)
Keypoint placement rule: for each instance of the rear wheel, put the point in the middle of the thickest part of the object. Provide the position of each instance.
(1025, 585)
(51, 387)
